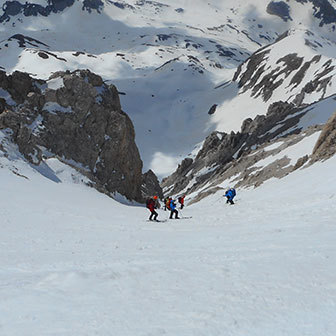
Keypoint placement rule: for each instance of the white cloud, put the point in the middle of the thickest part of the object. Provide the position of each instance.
(163, 164)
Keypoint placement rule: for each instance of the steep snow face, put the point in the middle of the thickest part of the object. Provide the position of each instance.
(170, 59)
(75, 262)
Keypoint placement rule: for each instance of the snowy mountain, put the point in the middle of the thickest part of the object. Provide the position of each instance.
(285, 93)
(168, 59)
(297, 68)
(233, 93)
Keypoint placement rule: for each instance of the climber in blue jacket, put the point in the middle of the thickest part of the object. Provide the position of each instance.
(173, 210)
(230, 194)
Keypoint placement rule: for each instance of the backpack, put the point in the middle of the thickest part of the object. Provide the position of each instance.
(148, 202)
(180, 199)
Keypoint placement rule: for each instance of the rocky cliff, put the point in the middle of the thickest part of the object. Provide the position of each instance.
(326, 144)
(304, 80)
(260, 151)
(77, 117)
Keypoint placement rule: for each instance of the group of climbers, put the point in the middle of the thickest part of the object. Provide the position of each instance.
(170, 204)
(168, 200)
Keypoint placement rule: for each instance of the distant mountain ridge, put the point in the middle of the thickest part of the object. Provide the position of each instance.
(31, 8)
(323, 10)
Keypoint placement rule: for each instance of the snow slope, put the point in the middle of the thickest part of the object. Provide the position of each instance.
(75, 262)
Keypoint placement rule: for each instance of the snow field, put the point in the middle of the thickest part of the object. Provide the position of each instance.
(74, 261)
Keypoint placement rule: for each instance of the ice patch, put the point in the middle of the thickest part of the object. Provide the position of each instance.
(55, 83)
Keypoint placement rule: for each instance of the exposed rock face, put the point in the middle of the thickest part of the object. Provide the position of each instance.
(323, 10)
(89, 5)
(212, 109)
(174, 181)
(293, 76)
(78, 118)
(326, 144)
(280, 9)
(26, 41)
(249, 77)
(18, 85)
(12, 8)
(30, 8)
(262, 84)
(151, 185)
(300, 162)
(226, 156)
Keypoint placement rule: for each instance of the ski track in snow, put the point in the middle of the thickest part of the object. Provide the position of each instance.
(75, 262)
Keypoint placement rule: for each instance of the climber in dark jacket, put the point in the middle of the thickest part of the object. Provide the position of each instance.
(150, 204)
(181, 201)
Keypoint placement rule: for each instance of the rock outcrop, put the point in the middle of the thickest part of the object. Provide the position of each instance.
(151, 185)
(235, 157)
(30, 8)
(77, 117)
(326, 144)
(289, 74)
(12, 8)
(280, 9)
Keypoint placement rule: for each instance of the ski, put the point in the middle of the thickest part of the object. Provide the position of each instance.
(157, 221)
